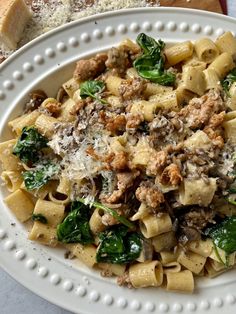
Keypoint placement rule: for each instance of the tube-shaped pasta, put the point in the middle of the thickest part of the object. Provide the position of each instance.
(179, 52)
(142, 153)
(131, 73)
(71, 86)
(112, 269)
(12, 179)
(44, 234)
(154, 89)
(203, 248)
(212, 79)
(173, 267)
(144, 107)
(192, 261)
(9, 161)
(197, 191)
(64, 186)
(193, 80)
(222, 64)
(168, 256)
(183, 95)
(46, 125)
(85, 253)
(27, 119)
(181, 281)
(164, 241)
(227, 43)
(54, 213)
(141, 213)
(152, 226)
(58, 198)
(230, 130)
(210, 268)
(167, 100)
(199, 140)
(206, 50)
(194, 62)
(66, 114)
(95, 221)
(113, 84)
(147, 274)
(20, 204)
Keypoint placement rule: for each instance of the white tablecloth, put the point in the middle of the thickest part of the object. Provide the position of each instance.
(15, 299)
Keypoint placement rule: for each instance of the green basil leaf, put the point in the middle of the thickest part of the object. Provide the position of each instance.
(118, 246)
(40, 175)
(228, 81)
(224, 234)
(92, 89)
(75, 227)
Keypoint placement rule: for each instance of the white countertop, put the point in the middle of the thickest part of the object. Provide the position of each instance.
(15, 299)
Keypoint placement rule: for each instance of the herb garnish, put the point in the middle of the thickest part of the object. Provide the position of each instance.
(110, 211)
(150, 65)
(29, 144)
(39, 217)
(40, 175)
(224, 234)
(228, 81)
(92, 89)
(75, 227)
(118, 246)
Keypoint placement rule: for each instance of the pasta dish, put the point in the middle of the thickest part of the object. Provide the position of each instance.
(131, 167)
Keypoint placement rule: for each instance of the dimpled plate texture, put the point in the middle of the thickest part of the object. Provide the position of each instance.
(46, 63)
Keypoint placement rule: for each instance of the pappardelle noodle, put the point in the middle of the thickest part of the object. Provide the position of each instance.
(132, 166)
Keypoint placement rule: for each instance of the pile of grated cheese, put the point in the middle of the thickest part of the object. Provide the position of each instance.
(49, 14)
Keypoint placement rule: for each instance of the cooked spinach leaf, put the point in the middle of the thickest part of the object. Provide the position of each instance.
(228, 81)
(150, 65)
(118, 246)
(29, 144)
(92, 89)
(224, 234)
(110, 211)
(75, 227)
(39, 217)
(40, 175)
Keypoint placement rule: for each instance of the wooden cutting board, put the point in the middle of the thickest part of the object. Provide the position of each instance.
(207, 5)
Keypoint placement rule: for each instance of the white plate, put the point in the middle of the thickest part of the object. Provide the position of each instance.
(45, 63)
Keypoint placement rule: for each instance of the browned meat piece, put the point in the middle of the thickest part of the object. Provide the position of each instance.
(2, 58)
(124, 280)
(156, 163)
(90, 68)
(149, 194)
(214, 129)
(133, 121)
(199, 218)
(124, 181)
(120, 161)
(200, 110)
(132, 89)
(118, 58)
(116, 124)
(54, 108)
(171, 175)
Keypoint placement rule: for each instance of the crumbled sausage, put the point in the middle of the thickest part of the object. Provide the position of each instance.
(118, 58)
(124, 181)
(156, 163)
(120, 161)
(200, 110)
(116, 124)
(199, 218)
(124, 280)
(148, 193)
(214, 129)
(171, 175)
(2, 58)
(54, 108)
(80, 104)
(90, 68)
(132, 88)
(133, 121)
